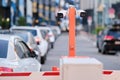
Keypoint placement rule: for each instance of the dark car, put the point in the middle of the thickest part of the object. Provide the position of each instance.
(108, 41)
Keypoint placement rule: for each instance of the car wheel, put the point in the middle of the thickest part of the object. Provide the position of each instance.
(97, 45)
(99, 50)
(52, 45)
(103, 51)
(42, 59)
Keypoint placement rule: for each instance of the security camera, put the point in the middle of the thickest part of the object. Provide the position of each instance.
(61, 13)
(82, 13)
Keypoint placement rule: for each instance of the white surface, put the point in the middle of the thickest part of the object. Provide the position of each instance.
(80, 69)
(81, 61)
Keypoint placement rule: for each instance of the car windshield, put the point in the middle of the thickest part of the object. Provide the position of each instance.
(34, 33)
(3, 48)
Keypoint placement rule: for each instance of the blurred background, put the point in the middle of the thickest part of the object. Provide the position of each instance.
(40, 12)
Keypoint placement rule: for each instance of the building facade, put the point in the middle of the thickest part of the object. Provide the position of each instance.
(34, 11)
(5, 13)
(44, 11)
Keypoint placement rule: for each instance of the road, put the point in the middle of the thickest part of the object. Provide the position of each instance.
(84, 47)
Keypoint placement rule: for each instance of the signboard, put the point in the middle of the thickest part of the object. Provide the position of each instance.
(111, 13)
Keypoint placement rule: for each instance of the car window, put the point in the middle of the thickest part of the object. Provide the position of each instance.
(34, 32)
(32, 40)
(114, 32)
(19, 49)
(22, 50)
(24, 37)
(3, 48)
(43, 33)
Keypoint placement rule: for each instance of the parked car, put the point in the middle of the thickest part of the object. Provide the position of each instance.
(108, 41)
(40, 40)
(49, 34)
(55, 33)
(15, 55)
(56, 30)
(30, 41)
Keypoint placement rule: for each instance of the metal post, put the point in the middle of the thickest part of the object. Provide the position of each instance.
(95, 12)
(71, 15)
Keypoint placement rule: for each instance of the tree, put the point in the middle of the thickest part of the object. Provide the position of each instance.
(4, 23)
(21, 21)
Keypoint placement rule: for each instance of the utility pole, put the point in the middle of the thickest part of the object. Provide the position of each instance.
(95, 12)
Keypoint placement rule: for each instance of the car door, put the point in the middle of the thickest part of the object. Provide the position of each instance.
(21, 50)
(44, 44)
(26, 62)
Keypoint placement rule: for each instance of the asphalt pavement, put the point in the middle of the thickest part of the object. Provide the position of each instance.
(61, 49)
(85, 46)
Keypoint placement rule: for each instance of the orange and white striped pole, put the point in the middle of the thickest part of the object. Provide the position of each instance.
(72, 22)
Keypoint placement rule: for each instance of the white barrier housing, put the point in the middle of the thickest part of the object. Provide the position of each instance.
(80, 69)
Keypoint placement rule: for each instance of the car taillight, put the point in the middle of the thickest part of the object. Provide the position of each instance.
(108, 37)
(37, 39)
(5, 69)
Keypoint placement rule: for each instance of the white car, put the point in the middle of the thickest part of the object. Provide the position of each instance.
(15, 55)
(41, 42)
(50, 34)
(57, 29)
(30, 41)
